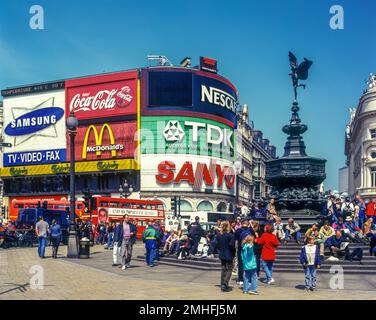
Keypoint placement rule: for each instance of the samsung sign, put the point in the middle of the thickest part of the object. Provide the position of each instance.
(34, 121)
(34, 125)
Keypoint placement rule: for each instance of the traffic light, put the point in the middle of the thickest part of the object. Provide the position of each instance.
(173, 205)
(3, 210)
(87, 197)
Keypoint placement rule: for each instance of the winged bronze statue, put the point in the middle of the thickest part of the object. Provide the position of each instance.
(298, 72)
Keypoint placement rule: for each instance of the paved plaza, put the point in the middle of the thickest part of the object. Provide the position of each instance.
(95, 278)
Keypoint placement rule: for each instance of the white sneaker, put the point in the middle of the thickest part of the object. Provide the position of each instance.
(239, 283)
(253, 292)
(123, 267)
(271, 281)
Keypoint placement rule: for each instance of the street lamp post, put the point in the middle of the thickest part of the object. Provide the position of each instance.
(125, 190)
(72, 124)
(238, 170)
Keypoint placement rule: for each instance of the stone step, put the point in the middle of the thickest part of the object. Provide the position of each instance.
(348, 271)
(277, 268)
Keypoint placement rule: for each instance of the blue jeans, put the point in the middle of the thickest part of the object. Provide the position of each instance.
(150, 246)
(100, 238)
(361, 222)
(297, 235)
(240, 265)
(268, 269)
(41, 246)
(310, 275)
(250, 277)
(110, 242)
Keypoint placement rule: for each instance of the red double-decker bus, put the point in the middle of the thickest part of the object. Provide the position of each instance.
(17, 205)
(107, 209)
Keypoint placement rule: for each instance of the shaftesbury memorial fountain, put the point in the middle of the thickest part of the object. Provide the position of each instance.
(296, 177)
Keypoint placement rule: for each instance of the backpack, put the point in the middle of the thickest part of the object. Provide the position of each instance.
(356, 255)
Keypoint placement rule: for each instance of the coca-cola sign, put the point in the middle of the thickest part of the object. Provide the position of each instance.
(103, 99)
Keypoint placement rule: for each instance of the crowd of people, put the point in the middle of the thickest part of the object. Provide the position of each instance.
(247, 244)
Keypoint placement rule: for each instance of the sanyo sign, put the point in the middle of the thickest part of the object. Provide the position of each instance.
(218, 97)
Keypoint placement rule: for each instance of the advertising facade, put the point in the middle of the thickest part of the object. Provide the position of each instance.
(103, 96)
(34, 124)
(63, 168)
(189, 92)
(109, 140)
(184, 135)
(170, 172)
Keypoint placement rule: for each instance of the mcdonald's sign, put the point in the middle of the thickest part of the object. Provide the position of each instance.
(106, 141)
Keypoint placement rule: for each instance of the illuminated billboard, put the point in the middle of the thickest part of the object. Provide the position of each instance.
(34, 124)
(188, 92)
(103, 96)
(187, 174)
(113, 140)
(184, 135)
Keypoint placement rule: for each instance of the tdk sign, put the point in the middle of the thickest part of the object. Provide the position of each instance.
(34, 121)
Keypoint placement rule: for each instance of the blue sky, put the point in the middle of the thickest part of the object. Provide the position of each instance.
(250, 39)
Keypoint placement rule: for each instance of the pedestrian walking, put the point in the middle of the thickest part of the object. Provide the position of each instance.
(310, 259)
(41, 230)
(240, 235)
(257, 248)
(118, 240)
(249, 265)
(128, 239)
(149, 237)
(56, 237)
(269, 243)
(225, 243)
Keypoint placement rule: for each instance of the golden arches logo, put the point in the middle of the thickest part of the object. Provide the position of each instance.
(98, 139)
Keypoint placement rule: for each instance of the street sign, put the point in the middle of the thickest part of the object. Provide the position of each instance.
(5, 144)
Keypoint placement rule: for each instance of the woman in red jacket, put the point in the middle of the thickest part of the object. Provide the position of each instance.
(269, 243)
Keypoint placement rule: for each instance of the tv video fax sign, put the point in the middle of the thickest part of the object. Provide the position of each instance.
(34, 124)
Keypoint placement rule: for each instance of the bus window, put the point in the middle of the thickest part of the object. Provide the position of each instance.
(114, 204)
(79, 206)
(103, 204)
(125, 205)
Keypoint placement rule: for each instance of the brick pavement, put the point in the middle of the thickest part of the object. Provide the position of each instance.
(94, 278)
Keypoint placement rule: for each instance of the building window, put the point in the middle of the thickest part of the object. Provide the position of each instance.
(373, 177)
(185, 206)
(222, 207)
(373, 154)
(372, 133)
(205, 206)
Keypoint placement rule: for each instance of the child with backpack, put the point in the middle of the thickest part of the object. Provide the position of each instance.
(249, 265)
(310, 259)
